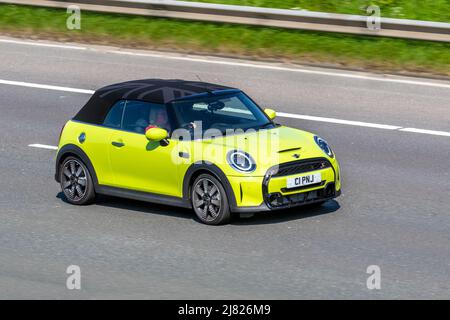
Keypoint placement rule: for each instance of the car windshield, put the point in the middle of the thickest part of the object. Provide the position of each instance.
(226, 113)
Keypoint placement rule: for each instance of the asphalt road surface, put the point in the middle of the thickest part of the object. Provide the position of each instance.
(394, 211)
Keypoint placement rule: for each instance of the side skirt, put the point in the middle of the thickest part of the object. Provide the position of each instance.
(143, 196)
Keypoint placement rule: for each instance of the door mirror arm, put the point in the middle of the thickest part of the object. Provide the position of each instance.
(164, 142)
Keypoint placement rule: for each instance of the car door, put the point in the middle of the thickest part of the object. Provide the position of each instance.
(136, 162)
(97, 140)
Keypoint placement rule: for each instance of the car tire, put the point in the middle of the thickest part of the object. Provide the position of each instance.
(76, 181)
(209, 200)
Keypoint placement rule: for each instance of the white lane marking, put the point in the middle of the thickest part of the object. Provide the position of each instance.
(43, 44)
(43, 146)
(423, 131)
(269, 67)
(288, 115)
(238, 64)
(45, 86)
(372, 125)
(339, 121)
(281, 114)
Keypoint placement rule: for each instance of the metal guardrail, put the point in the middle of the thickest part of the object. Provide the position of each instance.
(282, 18)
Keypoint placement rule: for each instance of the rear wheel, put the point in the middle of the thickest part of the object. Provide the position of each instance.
(209, 200)
(76, 182)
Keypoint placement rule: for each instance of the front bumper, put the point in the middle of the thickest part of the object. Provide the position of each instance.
(290, 204)
(270, 193)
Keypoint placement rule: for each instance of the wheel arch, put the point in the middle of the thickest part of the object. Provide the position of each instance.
(75, 151)
(199, 168)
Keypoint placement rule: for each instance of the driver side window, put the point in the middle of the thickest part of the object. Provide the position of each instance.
(135, 117)
(138, 115)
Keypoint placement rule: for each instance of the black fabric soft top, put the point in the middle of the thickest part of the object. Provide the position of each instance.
(159, 91)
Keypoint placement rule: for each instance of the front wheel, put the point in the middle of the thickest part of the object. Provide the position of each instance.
(210, 201)
(76, 182)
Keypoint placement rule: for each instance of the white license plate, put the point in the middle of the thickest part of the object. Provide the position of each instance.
(304, 180)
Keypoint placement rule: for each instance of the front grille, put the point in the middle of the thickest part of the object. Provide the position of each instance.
(276, 200)
(302, 166)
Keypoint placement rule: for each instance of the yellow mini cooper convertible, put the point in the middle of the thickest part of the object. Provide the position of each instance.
(191, 144)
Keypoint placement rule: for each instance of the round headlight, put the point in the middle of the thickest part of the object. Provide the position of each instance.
(241, 161)
(324, 146)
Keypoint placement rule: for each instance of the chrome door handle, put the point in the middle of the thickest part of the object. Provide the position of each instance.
(117, 144)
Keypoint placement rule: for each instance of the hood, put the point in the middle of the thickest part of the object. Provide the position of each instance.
(267, 147)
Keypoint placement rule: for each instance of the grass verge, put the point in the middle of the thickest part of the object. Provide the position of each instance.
(304, 47)
(433, 10)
